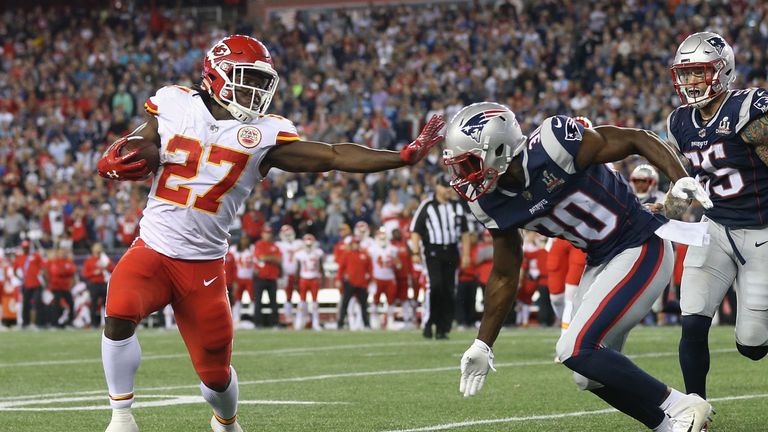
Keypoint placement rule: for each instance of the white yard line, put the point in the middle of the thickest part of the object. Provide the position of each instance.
(340, 376)
(447, 426)
(236, 353)
(303, 350)
(167, 400)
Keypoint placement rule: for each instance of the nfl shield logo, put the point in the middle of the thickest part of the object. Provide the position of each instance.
(702, 132)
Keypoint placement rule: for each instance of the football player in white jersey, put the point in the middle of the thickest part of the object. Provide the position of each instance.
(245, 263)
(309, 260)
(385, 262)
(288, 246)
(216, 142)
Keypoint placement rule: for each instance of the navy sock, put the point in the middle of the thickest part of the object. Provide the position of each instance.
(694, 353)
(612, 369)
(650, 416)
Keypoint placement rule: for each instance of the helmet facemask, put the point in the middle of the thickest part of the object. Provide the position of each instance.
(480, 142)
(644, 181)
(471, 179)
(703, 69)
(242, 99)
(688, 77)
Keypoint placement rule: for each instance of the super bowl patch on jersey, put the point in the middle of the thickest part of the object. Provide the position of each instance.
(249, 136)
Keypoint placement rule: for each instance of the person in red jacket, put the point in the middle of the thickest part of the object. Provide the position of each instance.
(28, 267)
(61, 273)
(355, 273)
(268, 263)
(466, 290)
(96, 270)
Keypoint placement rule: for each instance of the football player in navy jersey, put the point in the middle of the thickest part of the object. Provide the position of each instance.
(724, 134)
(556, 182)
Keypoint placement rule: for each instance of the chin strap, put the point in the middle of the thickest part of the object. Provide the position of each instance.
(236, 113)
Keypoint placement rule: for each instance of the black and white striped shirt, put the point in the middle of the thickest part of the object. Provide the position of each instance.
(439, 224)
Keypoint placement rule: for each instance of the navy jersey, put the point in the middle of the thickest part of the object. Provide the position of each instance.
(728, 168)
(593, 208)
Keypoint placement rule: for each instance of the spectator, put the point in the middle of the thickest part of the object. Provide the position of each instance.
(105, 225)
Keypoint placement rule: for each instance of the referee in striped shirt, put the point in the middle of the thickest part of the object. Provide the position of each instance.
(438, 229)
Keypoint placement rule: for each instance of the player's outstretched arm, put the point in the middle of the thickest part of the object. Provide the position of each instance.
(756, 134)
(310, 156)
(611, 143)
(604, 144)
(500, 293)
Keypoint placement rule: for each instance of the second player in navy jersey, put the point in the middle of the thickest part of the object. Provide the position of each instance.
(724, 134)
(556, 182)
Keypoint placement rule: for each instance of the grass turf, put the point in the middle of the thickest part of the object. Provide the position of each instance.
(343, 381)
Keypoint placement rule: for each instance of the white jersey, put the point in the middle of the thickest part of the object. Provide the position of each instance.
(244, 262)
(310, 262)
(288, 251)
(210, 167)
(383, 261)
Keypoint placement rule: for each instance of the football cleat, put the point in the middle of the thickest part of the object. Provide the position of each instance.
(217, 426)
(122, 421)
(690, 414)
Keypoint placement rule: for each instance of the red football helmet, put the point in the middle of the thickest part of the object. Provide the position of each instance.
(239, 74)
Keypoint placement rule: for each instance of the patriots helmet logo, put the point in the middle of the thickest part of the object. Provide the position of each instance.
(474, 126)
(717, 43)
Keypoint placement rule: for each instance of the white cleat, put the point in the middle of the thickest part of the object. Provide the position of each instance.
(690, 414)
(217, 426)
(122, 421)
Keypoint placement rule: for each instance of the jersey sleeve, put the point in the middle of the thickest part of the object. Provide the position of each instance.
(286, 132)
(561, 138)
(670, 133)
(754, 106)
(166, 100)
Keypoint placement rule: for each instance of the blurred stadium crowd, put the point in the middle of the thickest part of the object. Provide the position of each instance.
(73, 80)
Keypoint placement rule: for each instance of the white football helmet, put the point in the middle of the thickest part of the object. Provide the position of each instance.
(480, 142)
(644, 180)
(287, 234)
(309, 241)
(706, 58)
(362, 230)
(382, 238)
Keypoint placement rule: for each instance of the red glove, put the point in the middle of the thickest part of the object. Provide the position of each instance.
(427, 139)
(114, 166)
(587, 123)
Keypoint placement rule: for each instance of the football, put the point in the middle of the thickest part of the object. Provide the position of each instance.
(147, 151)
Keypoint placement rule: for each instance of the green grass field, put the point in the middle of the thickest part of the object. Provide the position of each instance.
(342, 381)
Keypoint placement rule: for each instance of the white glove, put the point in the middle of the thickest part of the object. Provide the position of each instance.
(687, 188)
(474, 367)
